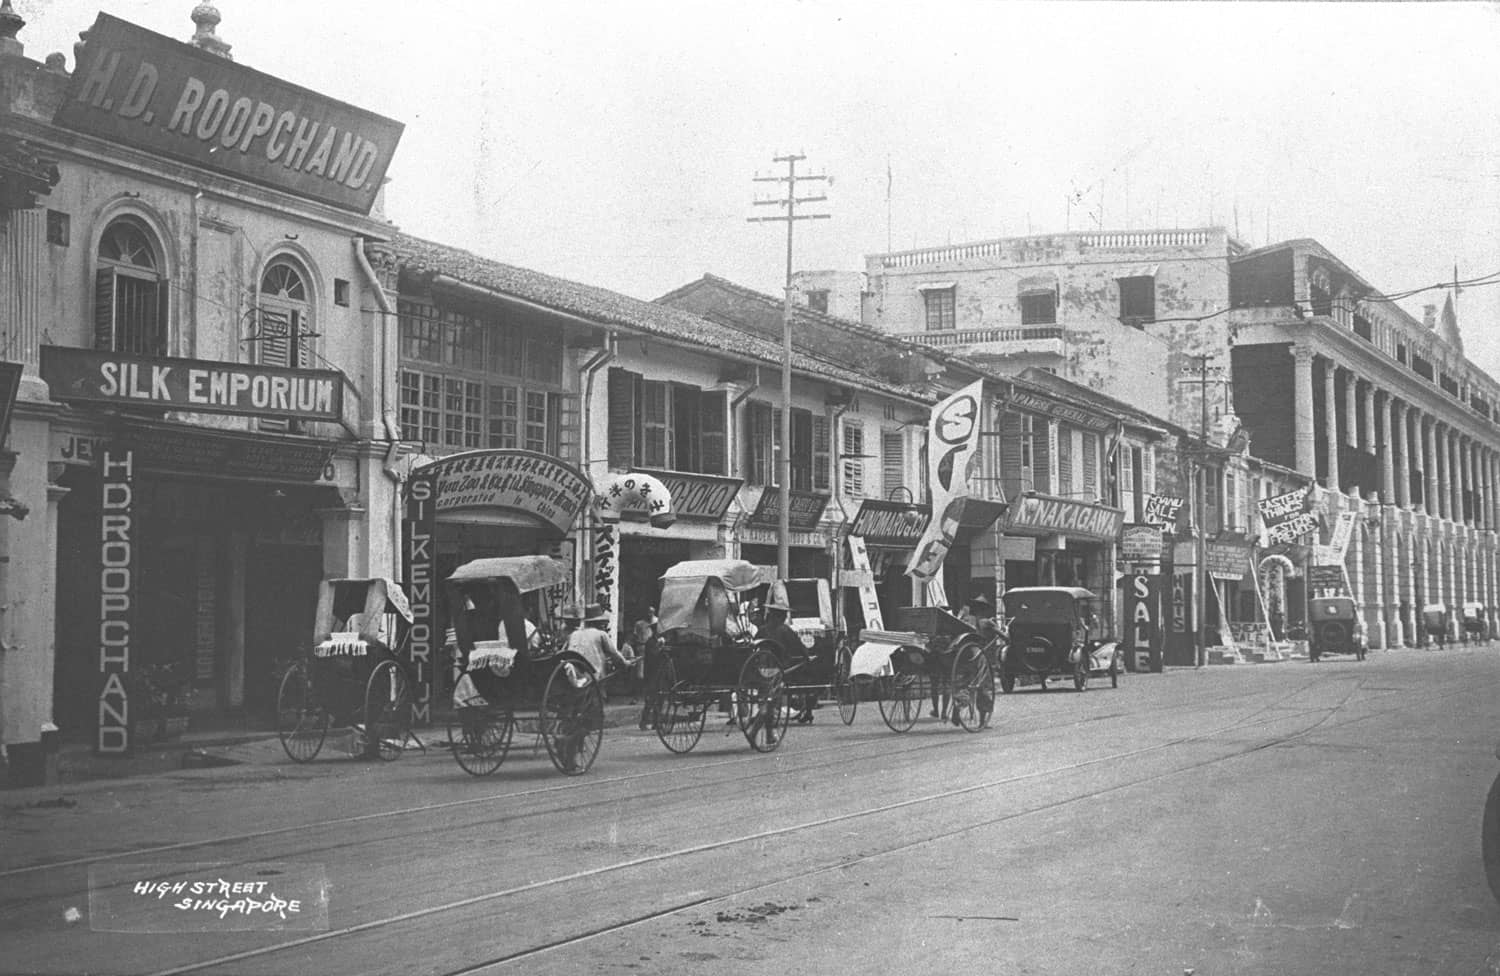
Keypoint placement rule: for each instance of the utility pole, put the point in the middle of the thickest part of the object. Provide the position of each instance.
(1200, 503)
(789, 202)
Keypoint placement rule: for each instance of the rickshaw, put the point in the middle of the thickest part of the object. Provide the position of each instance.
(1054, 632)
(1475, 627)
(710, 657)
(1334, 628)
(354, 677)
(933, 656)
(814, 675)
(517, 673)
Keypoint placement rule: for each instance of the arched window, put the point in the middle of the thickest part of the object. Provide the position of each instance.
(130, 291)
(283, 327)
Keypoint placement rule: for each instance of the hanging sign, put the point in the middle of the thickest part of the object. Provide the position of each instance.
(1161, 511)
(952, 439)
(1285, 517)
(421, 533)
(1143, 621)
(524, 482)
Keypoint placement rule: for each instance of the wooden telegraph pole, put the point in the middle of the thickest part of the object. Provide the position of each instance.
(789, 202)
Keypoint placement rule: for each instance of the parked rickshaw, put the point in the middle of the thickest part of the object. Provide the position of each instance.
(1475, 627)
(355, 675)
(711, 661)
(814, 674)
(517, 671)
(1334, 628)
(933, 656)
(1054, 632)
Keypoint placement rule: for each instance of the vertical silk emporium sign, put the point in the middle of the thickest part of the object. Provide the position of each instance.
(421, 527)
(952, 438)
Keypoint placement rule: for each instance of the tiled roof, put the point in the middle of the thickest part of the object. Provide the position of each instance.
(610, 309)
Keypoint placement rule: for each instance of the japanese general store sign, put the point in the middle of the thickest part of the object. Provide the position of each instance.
(144, 90)
(199, 385)
(1069, 518)
(524, 482)
(891, 524)
(698, 496)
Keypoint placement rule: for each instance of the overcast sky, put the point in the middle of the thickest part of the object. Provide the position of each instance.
(615, 143)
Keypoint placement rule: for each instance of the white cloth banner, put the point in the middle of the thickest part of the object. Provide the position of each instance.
(952, 438)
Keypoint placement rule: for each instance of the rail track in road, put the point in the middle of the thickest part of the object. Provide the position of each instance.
(1281, 709)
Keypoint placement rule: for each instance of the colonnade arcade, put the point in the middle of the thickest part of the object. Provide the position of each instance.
(1423, 484)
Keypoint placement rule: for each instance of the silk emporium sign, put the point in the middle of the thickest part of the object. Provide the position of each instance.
(148, 91)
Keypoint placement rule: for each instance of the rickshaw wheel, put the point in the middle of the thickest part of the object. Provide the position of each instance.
(761, 706)
(680, 716)
(301, 723)
(1490, 838)
(845, 692)
(973, 685)
(904, 697)
(481, 736)
(387, 711)
(572, 720)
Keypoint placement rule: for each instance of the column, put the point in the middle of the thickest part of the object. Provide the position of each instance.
(1443, 481)
(1403, 441)
(1351, 409)
(1470, 496)
(1379, 554)
(1429, 465)
(1455, 478)
(1330, 426)
(1303, 430)
(1387, 448)
(1356, 561)
(1409, 624)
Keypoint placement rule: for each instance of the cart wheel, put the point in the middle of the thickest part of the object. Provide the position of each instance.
(845, 692)
(973, 685)
(1490, 838)
(387, 711)
(301, 722)
(572, 718)
(1007, 682)
(904, 698)
(680, 714)
(761, 706)
(480, 737)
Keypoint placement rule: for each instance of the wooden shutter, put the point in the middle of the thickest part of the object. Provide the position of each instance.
(714, 411)
(159, 340)
(622, 427)
(822, 469)
(685, 428)
(802, 451)
(565, 407)
(1041, 455)
(758, 443)
(1090, 464)
(275, 337)
(892, 461)
(1064, 460)
(1011, 432)
(104, 309)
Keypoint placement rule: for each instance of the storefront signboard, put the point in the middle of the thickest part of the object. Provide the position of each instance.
(1161, 511)
(420, 530)
(1143, 621)
(1226, 561)
(894, 525)
(150, 92)
(1056, 515)
(198, 385)
(524, 482)
(1017, 548)
(1141, 544)
(1062, 411)
(806, 507)
(1285, 517)
(117, 592)
(203, 452)
(752, 535)
(698, 496)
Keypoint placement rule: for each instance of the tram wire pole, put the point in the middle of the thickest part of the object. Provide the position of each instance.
(784, 472)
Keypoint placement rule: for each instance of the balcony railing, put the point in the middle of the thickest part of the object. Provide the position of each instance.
(974, 337)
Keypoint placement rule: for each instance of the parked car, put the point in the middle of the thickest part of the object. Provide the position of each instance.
(1054, 631)
(1335, 628)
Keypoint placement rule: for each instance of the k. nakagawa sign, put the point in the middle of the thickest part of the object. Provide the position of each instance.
(141, 89)
(198, 385)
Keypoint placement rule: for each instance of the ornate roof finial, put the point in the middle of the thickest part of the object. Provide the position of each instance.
(206, 16)
(10, 25)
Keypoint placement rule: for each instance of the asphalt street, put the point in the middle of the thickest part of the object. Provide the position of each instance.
(1288, 818)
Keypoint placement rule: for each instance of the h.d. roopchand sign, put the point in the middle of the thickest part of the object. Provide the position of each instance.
(148, 91)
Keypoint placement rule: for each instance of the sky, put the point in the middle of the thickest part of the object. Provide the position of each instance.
(616, 144)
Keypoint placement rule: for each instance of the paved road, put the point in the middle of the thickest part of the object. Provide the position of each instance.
(1284, 819)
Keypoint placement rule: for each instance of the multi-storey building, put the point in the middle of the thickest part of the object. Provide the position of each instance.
(199, 429)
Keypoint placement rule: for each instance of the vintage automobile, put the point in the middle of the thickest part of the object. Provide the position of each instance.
(1334, 627)
(1054, 632)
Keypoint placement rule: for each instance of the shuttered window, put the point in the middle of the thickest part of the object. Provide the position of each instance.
(282, 334)
(1064, 460)
(1014, 455)
(622, 396)
(892, 463)
(1041, 454)
(714, 414)
(130, 293)
(759, 469)
(822, 469)
(853, 470)
(655, 417)
(1091, 464)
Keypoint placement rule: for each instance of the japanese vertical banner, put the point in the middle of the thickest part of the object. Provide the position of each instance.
(952, 438)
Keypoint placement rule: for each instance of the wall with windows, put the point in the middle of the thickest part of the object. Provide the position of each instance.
(1107, 310)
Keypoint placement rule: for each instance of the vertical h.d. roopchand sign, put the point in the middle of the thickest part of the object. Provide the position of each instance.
(145, 90)
(421, 509)
(117, 543)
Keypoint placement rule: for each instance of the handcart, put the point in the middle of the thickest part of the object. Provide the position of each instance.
(518, 673)
(711, 660)
(933, 657)
(356, 675)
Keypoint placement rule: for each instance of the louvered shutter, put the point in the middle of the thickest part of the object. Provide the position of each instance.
(1041, 455)
(1090, 464)
(892, 461)
(1064, 460)
(622, 434)
(104, 309)
(1011, 432)
(713, 408)
(159, 340)
(822, 469)
(275, 337)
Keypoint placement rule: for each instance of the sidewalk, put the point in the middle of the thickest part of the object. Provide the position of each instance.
(234, 742)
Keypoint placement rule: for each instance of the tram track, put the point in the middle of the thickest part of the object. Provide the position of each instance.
(1325, 718)
(902, 746)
